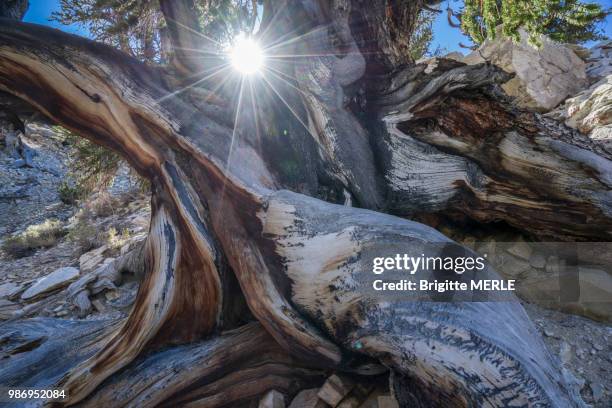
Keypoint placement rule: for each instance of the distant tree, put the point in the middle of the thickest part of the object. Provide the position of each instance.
(138, 27)
(420, 39)
(572, 21)
(134, 26)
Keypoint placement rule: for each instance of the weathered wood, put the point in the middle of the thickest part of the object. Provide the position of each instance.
(225, 371)
(38, 352)
(182, 20)
(452, 143)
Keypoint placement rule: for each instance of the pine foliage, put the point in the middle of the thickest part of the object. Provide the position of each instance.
(569, 21)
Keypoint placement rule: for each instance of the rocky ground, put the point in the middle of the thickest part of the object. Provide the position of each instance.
(28, 195)
(35, 285)
(110, 224)
(584, 347)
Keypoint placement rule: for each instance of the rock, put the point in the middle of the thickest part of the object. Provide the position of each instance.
(272, 399)
(581, 291)
(355, 398)
(455, 55)
(574, 382)
(595, 285)
(307, 399)
(82, 302)
(565, 353)
(371, 401)
(600, 60)
(90, 260)
(520, 249)
(111, 295)
(590, 110)
(8, 309)
(597, 390)
(583, 52)
(55, 280)
(97, 303)
(553, 264)
(387, 401)
(513, 267)
(537, 260)
(335, 389)
(10, 289)
(350, 402)
(548, 74)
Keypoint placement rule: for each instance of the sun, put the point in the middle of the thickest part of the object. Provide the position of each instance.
(246, 55)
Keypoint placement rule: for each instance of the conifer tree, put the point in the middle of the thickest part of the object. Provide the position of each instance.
(572, 21)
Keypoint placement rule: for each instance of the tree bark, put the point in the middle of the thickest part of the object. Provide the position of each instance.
(224, 227)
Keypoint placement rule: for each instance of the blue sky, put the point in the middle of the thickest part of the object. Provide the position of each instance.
(40, 11)
(445, 37)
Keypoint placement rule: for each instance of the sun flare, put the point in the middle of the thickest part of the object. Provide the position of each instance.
(246, 55)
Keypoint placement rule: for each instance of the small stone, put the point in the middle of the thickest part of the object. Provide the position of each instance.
(9, 289)
(61, 313)
(358, 395)
(387, 401)
(272, 399)
(548, 333)
(513, 267)
(90, 260)
(565, 353)
(537, 260)
(97, 303)
(55, 280)
(307, 399)
(335, 389)
(111, 295)
(598, 347)
(520, 249)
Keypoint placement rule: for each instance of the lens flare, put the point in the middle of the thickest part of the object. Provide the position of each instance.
(246, 55)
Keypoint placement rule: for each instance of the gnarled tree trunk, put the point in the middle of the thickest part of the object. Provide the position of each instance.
(355, 123)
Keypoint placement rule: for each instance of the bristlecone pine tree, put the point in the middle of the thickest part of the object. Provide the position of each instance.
(572, 21)
(268, 202)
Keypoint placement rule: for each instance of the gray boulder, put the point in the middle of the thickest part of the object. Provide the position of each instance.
(545, 75)
(57, 279)
(590, 111)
